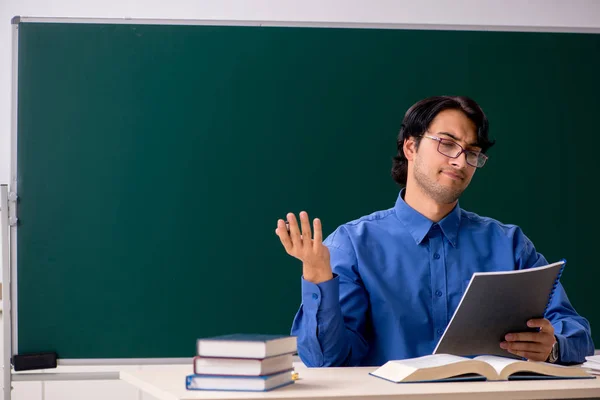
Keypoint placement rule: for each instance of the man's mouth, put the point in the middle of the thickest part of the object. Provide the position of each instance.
(454, 175)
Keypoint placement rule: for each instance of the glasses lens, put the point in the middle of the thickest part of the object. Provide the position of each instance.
(453, 150)
(472, 158)
(449, 148)
(476, 159)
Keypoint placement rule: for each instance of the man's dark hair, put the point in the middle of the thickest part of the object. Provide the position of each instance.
(418, 118)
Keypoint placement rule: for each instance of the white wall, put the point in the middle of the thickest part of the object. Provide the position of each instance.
(558, 14)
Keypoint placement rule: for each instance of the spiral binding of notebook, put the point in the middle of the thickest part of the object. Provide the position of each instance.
(560, 272)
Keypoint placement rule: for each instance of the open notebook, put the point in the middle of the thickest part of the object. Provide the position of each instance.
(497, 303)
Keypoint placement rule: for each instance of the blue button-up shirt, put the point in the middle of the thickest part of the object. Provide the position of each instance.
(398, 278)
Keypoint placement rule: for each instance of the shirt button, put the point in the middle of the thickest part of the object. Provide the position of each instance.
(315, 296)
(440, 331)
(438, 293)
(436, 256)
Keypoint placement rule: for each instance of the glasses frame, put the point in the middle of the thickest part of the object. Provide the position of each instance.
(480, 156)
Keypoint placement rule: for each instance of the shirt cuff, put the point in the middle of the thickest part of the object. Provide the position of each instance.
(562, 347)
(321, 296)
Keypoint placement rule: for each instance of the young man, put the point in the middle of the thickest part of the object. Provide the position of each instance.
(385, 286)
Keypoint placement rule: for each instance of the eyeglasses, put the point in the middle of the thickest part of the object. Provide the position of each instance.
(452, 149)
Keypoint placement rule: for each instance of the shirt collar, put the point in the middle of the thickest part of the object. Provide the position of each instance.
(418, 225)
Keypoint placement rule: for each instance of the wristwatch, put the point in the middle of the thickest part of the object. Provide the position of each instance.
(554, 353)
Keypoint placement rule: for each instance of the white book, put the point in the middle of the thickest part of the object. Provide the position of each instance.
(244, 345)
(242, 366)
(446, 367)
(592, 364)
(595, 359)
(237, 383)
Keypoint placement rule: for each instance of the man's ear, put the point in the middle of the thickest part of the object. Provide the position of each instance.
(409, 148)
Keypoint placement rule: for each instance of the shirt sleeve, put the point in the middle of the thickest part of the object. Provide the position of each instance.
(572, 331)
(331, 320)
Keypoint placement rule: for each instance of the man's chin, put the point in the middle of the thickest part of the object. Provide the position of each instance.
(450, 195)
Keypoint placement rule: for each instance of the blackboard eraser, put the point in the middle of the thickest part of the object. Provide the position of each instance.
(26, 362)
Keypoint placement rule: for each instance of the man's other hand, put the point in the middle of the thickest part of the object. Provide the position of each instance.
(301, 244)
(534, 346)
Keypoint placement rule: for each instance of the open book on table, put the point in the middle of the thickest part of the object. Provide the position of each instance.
(446, 367)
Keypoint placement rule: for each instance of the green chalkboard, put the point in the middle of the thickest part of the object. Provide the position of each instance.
(154, 160)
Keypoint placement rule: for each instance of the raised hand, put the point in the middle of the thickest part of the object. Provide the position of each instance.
(307, 248)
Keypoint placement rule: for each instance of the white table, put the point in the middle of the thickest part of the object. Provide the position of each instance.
(168, 383)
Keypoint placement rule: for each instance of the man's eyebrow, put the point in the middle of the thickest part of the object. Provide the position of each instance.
(457, 139)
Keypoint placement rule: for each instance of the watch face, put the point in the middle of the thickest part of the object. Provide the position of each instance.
(554, 353)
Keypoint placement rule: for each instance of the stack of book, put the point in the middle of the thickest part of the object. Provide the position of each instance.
(592, 364)
(247, 362)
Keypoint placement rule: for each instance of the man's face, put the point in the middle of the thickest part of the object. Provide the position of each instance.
(441, 177)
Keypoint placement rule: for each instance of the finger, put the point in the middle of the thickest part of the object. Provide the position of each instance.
(531, 347)
(318, 240)
(294, 230)
(540, 337)
(282, 232)
(541, 323)
(306, 233)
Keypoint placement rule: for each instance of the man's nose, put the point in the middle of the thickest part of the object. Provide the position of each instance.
(460, 161)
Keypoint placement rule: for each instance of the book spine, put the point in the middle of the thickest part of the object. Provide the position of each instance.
(560, 272)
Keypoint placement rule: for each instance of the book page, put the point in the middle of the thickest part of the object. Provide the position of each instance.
(435, 360)
(591, 365)
(498, 363)
(433, 368)
(506, 367)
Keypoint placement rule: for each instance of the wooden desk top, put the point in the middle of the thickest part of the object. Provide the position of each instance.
(168, 383)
